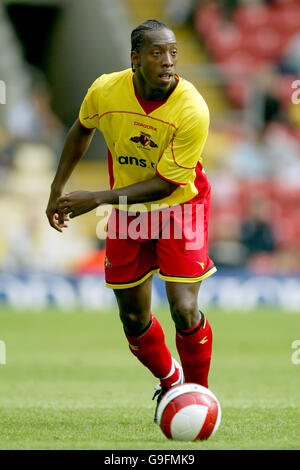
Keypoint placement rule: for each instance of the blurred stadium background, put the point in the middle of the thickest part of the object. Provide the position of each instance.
(244, 58)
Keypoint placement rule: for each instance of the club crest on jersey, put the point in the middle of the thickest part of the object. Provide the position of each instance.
(144, 139)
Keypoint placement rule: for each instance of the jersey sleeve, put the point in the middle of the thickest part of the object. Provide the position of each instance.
(90, 108)
(180, 158)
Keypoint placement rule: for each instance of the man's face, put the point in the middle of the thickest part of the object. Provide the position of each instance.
(157, 58)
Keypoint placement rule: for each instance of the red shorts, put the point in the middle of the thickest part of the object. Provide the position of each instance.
(172, 242)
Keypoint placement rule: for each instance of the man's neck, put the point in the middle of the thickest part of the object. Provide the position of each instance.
(152, 94)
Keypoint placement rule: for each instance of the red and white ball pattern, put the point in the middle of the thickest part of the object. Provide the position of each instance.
(189, 412)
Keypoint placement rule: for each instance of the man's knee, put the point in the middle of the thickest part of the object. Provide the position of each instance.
(185, 313)
(134, 319)
(183, 301)
(134, 306)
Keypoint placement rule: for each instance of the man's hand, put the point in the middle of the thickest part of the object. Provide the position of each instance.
(77, 203)
(57, 219)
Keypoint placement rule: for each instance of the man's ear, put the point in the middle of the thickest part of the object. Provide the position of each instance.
(135, 60)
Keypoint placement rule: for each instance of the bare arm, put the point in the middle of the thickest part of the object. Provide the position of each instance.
(76, 144)
(79, 202)
(150, 190)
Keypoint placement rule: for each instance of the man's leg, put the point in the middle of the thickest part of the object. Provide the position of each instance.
(144, 333)
(193, 332)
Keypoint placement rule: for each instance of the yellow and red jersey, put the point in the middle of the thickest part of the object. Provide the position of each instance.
(148, 138)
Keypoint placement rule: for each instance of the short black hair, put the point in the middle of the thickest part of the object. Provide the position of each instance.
(138, 34)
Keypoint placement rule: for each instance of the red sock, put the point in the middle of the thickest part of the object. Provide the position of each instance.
(151, 350)
(194, 348)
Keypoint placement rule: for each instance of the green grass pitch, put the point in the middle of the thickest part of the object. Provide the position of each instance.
(70, 382)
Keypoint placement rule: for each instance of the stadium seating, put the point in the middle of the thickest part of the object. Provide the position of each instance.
(283, 208)
(256, 33)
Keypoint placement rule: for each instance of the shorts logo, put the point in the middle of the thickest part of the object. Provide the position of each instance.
(203, 340)
(107, 263)
(144, 139)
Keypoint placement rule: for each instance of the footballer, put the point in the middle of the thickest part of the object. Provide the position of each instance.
(155, 124)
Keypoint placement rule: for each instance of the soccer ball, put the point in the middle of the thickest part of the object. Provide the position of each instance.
(189, 412)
